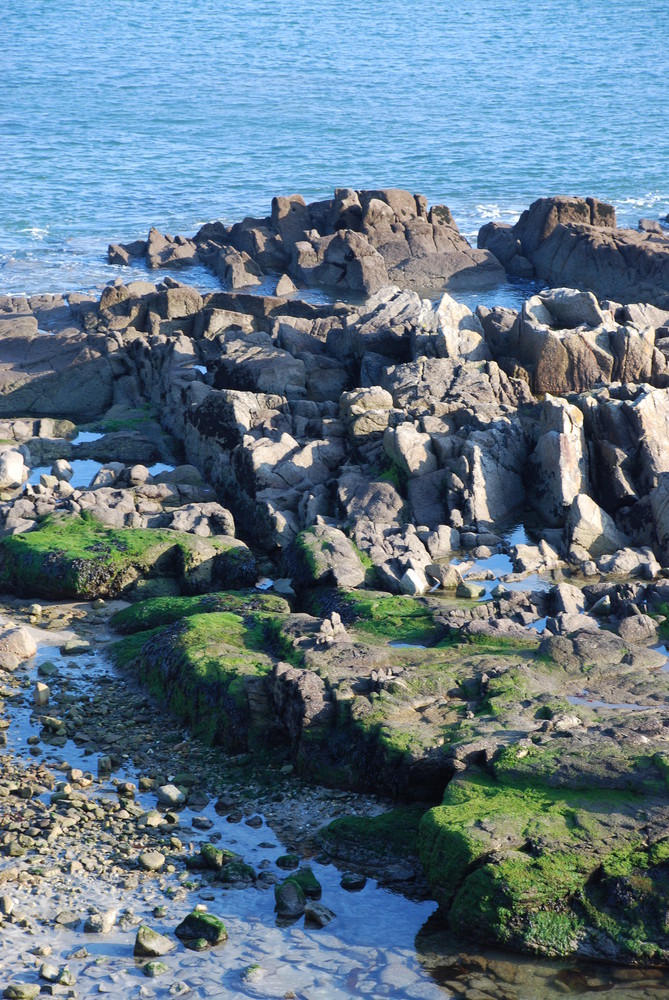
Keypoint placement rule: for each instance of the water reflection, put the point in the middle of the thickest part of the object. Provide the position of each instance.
(477, 975)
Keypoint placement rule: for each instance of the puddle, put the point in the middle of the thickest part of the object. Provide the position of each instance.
(501, 565)
(407, 645)
(662, 649)
(85, 437)
(84, 470)
(585, 699)
(517, 536)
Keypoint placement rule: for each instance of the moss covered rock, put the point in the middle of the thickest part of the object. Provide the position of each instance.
(201, 927)
(75, 556)
(553, 870)
(324, 556)
(160, 611)
(202, 667)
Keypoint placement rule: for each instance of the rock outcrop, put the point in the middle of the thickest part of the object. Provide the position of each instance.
(358, 241)
(575, 242)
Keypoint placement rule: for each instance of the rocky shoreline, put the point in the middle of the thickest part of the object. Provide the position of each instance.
(314, 511)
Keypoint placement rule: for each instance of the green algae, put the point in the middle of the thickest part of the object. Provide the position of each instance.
(162, 611)
(76, 556)
(199, 667)
(544, 868)
(391, 836)
(307, 882)
(384, 617)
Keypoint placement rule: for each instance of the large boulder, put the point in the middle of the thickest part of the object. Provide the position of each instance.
(409, 449)
(324, 555)
(13, 470)
(16, 646)
(591, 528)
(47, 371)
(574, 241)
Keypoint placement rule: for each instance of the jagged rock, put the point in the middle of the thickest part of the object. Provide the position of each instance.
(300, 700)
(534, 558)
(459, 332)
(567, 599)
(168, 251)
(410, 450)
(574, 241)
(441, 542)
(285, 286)
(151, 944)
(414, 582)
(592, 529)
(254, 363)
(238, 270)
(122, 253)
(326, 556)
(558, 464)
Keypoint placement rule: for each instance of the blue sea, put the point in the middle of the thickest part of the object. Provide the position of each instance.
(119, 115)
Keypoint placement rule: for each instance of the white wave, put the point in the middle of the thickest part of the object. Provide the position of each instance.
(39, 232)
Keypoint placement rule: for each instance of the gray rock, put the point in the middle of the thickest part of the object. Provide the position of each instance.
(170, 795)
(290, 899)
(414, 582)
(317, 915)
(591, 528)
(100, 923)
(151, 944)
(151, 861)
(637, 628)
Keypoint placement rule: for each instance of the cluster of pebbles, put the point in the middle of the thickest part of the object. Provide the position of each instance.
(106, 812)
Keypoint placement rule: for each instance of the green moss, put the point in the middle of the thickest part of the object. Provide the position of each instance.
(396, 476)
(199, 668)
(129, 650)
(539, 868)
(554, 933)
(382, 616)
(167, 610)
(392, 835)
(237, 871)
(451, 838)
(77, 556)
(305, 543)
(307, 882)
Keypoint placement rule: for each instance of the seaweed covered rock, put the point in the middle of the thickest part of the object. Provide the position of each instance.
(206, 669)
(200, 927)
(324, 555)
(552, 856)
(76, 556)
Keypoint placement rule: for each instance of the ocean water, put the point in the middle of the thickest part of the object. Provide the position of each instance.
(118, 115)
